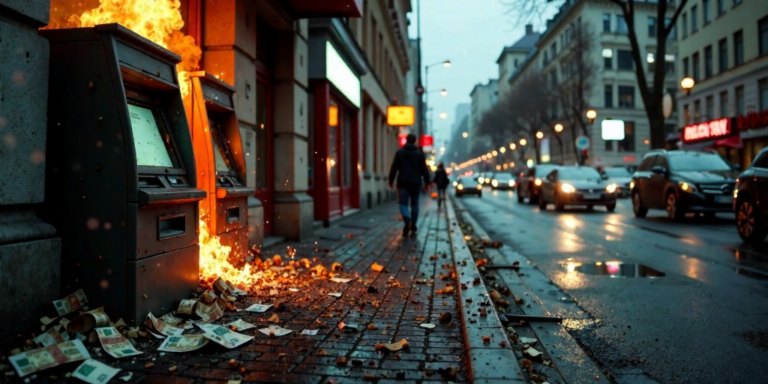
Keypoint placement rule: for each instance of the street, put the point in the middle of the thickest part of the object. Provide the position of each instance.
(702, 321)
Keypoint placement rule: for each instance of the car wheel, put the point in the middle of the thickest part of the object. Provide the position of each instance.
(674, 212)
(637, 206)
(542, 204)
(559, 206)
(611, 207)
(533, 198)
(520, 197)
(751, 226)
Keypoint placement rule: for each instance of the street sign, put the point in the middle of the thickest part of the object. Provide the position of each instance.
(401, 139)
(401, 115)
(427, 140)
(667, 104)
(582, 142)
(419, 90)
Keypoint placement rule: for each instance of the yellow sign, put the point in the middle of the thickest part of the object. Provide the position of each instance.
(401, 115)
(333, 116)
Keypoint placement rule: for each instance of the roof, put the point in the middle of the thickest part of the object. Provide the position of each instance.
(525, 44)
(480, 85)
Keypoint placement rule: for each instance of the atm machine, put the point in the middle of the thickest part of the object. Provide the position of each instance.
(121, 186)
(220, 161)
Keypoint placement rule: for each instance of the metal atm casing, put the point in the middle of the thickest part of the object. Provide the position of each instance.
(215, 131)
(129, 231)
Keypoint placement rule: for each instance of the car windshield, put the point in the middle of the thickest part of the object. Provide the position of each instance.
(618, 172)
(542, 171)
(698, 162)
(503, 177)
(578, 173)
(468, 181)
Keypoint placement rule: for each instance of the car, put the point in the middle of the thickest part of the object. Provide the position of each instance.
(751, 200)
(683, 181)
(467, 185)
(503, 181)
(576, 185)
(485, 178)
(528, 186)
(622, 177)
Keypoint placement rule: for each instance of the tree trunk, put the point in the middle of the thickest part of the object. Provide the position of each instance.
(658, 131)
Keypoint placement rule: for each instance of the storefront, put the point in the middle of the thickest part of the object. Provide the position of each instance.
(737, 139)
(336, 65)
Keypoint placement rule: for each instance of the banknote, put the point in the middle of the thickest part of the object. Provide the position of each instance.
(224, 336)
(275, 330)
(53, 336)
(235, 290)
(208, 313)
(115, 344)
(89, 320)
(94, 372)
(42, 358)
(184, 343)
(241, 325)
(259, 308)
(187, 307)
(70, 303)
(162, 327)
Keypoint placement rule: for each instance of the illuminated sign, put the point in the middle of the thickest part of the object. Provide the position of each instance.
(333, 116)
(402, 139)
(341, 76)
(714, 129)
(752, 121)
(613, 129)
(401, 115)
(426, 141)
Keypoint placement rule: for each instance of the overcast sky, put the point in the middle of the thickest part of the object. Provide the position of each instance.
(471, 34)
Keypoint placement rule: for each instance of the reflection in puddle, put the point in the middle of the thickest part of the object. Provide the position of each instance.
(613, 269)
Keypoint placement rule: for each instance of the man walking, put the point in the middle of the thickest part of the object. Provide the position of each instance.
(441, 180)
(410, 168)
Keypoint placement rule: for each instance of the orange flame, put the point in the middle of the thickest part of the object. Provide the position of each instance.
(214, 262)
(157, 20)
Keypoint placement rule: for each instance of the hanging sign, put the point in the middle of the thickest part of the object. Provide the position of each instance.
(401, 115)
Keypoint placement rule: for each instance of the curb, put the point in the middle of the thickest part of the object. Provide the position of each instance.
(488, 362)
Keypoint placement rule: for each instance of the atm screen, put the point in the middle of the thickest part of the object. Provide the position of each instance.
(151, 149)
(222, 164)
(221, 153)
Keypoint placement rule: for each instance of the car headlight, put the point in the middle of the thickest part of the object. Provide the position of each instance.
(567, 188)
(537, 181)
(632, 185)
(455, 183)
(610, 188)
(479, 186)
(687, 187)
(480, 180)
(495, 183)
(511, 183)
(735, 193)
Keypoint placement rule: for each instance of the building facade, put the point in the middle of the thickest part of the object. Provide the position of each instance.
(483, 96)
(723, 46)
(513, 56)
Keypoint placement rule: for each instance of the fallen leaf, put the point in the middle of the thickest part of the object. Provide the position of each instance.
(420, 318)
(528, 340)
(393, 347)
(486, 339)
(274, 318)
(335, 294)
(427, 325)
(447, 289)
(233, 363)
(172, 368)
(532, 352)
(341, 360)
(321, 352)
(373, 327)
(376, 267)
(446, 317)
(149, 365)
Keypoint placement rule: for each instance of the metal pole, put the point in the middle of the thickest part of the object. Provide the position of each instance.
(418, 36)
(426, 97)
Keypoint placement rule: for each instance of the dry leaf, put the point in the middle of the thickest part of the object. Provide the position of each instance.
(149, 365)
(341, 360)
(393, 347)
(532, 352)
(373, 327)
(528, 340)
(376, 267)
(274, 318)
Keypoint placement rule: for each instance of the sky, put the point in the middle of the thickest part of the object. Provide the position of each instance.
(471, 34)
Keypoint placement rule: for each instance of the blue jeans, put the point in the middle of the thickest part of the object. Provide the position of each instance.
(412, 194)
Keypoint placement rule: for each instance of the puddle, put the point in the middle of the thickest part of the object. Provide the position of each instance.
(615, 269)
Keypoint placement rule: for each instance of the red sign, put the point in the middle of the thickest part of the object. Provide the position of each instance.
(402, 140)
(426, 141)
(419, 90)
(714, 129)
(752, 121)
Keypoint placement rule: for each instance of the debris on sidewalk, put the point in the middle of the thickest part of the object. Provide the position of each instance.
(94, 372)
(35, 360)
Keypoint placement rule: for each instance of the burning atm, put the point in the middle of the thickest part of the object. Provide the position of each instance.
(220, 161)
(121, 182)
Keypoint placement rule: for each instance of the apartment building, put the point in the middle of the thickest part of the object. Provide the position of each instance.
(483, 96)
(513, 56)
(723, 47)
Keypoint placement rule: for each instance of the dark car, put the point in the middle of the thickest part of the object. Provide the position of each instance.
(576, 186)
(751, 200)
(683, 181)
(485, 178)
(528, 187)
(503, 181)
(622, 177)
(468, 185)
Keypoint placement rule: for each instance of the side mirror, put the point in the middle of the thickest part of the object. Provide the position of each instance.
(659, 170)
(604, 176)
(551, 177)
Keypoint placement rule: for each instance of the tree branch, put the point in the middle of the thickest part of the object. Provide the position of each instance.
(673, 21)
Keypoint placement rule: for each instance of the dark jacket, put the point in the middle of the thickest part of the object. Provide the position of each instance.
(441, 178)
(409, 166)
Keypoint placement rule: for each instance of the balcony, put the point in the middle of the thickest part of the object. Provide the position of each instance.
(326, 8)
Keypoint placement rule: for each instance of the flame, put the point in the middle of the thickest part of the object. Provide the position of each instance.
(214, 262)
(157, 20)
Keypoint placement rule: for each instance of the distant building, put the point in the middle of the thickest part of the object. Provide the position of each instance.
(513, 56)
(484, 96)
(462, 111)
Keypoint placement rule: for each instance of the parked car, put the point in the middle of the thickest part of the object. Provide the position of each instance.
(576, 185)
(751, 200)
(622, 177)
(528, 187)
(683, 181)
(467, 185)
(504, 181)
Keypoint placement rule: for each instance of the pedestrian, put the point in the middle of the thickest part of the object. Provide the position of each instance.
(410, 168)
(441, 181)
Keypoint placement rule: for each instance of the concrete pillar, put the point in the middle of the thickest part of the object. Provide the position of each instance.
(294, 209)
(30, 255)
(369, 138)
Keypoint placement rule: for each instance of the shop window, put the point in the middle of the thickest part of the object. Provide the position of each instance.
(608, 95)
(625, 60)
(762, 86)
(651, 26)
(738, 48)
(626, 97)
(687, 114)
(724, 104)
(740, 100)
(346, 147)
(311, 155)
(722, 55)
(333, 137)
(608, 145)
(628, 144)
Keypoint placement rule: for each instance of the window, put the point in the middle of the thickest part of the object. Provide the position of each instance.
(738, 48)
(626, 97)
(628, 144)
(762, 87)
(695, 62)
(720, 7)
(740, 100)
(697, 111)
(722, 55)
(621, 25)
(516, 63)
(651, 26)
(669, 63)
(706, 15)
(724, 104)
(608, 58)
(553, 48)
(608, 95)
(762, 30)
(647, 163)
(625, 60)
(687, 114)
(546, 57)
(709, 108)
(608, 145)
(694, 20)
(684, 22)
(651, 59)
(672, 33)
(708, 62)
(686, 72)
(606, 22)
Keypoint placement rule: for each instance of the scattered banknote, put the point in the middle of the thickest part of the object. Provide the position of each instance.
(259, 308)
(208, 313)
(162, 327)
(87, 321)
(224, 336)
(235, 290)
(340, 280)
(186, 307)
(184, 343)
(220, 286)
(310, 332)
(70, 303)
(53, 336)
(42, 358)
(241, 325)
(94, 372)
(275, 330)
(115, 343)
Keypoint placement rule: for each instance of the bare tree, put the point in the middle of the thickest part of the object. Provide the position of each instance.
(652, 92)
(531, 100)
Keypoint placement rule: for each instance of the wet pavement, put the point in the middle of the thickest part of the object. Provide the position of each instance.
(668, 302)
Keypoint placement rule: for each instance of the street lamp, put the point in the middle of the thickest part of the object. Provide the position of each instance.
(687, 84)
(443, 115)
(512, 146)
(494, 153)
(502, 149)
(591, 115)
(465, 135)
(539, 135)
(558, 128)
(443, 92)
(523, 142)
(446, 63)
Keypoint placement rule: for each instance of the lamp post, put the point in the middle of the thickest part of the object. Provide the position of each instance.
(687, 84)
(446, 63)
(591, 116)
(558, 128)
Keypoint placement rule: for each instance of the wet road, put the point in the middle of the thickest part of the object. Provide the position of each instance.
(704, 321)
